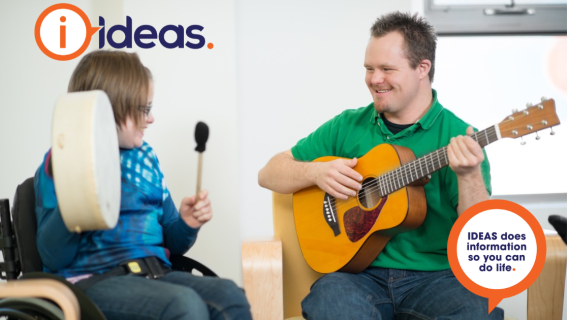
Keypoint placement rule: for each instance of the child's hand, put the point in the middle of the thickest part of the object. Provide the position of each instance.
(196, 215)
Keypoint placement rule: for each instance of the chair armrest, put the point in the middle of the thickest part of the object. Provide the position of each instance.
(44, 288)
(263, 277)
(183, 263)
(545, 295)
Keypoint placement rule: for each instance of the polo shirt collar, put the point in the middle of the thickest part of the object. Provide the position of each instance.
(426, 121)
(432, 114)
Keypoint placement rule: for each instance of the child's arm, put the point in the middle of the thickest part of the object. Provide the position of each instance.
(178, 236)
(56, 245)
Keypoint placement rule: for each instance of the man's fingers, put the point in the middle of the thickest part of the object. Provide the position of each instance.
(350, 173)
(343, 191)
(459, 157)
(351, 162)
(470, 150)
(347, 181)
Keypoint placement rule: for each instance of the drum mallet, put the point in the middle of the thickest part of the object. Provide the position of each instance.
(201, 135)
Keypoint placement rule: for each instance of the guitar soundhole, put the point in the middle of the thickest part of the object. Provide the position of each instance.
(369, 195)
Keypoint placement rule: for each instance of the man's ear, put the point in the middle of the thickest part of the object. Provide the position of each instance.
(424, 67)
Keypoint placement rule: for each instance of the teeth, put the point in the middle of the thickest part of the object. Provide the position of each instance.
(381, 91)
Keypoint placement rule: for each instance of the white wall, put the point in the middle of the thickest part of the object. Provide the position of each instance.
(278, 70)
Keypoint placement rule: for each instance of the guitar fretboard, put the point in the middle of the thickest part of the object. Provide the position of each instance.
(424, 166)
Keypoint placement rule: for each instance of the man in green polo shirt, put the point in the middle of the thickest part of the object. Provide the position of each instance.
(411, 278)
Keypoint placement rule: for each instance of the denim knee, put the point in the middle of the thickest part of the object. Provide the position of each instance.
(476, 312)
(339, 296)
(230, 296)
(478, 309)
(186, 305)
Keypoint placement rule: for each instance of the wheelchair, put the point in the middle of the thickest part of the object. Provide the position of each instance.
(23, 265)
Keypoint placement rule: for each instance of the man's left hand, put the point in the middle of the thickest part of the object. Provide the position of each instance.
(465, 155)
(196, 214)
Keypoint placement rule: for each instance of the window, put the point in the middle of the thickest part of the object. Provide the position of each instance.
(493, 17)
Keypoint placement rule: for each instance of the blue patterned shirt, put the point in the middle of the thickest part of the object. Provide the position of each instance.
(149, 223)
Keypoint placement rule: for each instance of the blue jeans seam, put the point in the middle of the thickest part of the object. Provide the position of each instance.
(219, 309)
(418, 315)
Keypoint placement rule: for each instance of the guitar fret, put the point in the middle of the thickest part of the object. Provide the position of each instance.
(439, 158)
(487, 141)
(445, 154)
(432, 162)
(416, 173)
(396, 178)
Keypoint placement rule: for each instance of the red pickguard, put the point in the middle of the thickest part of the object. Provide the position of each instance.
(358, 221)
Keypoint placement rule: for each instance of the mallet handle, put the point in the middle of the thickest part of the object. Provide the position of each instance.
(199, 184)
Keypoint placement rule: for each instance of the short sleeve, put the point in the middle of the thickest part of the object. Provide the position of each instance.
(319, 143)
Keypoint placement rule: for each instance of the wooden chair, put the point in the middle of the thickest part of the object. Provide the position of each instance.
(276, 277)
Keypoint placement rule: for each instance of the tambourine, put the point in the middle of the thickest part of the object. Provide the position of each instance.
(86, 161)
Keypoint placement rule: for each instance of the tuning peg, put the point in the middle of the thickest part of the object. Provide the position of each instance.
(543, 99)
(523, 143)
(537, 137)
(552, 132)
(514, 110)
(529, 105)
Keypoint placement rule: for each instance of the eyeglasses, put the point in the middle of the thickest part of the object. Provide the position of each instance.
(146, 110)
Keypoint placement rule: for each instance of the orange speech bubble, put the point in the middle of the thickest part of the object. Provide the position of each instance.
(90, 31)
(496, 295)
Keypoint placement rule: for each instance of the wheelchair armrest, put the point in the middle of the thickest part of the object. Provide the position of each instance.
(183, 263)
(262, 263)
(88, 309)
(44, 288)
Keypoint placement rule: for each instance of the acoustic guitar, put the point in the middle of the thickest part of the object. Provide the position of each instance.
(347, 235)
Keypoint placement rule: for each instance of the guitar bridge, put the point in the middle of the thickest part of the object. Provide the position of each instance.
(330, 213)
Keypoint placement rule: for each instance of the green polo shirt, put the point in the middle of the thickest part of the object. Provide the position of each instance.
(354, 132)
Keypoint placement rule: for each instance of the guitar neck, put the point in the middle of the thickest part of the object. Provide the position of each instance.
(427, 164)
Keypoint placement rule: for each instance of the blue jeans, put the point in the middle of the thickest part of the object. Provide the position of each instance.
(177, 295)
(386, 294)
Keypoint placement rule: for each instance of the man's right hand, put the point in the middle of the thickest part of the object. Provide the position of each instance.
(337, 177)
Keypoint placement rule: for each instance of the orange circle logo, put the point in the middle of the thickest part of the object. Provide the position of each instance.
(63, 32)
(496, 249)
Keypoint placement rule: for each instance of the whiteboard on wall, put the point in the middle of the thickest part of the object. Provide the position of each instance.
(481, 79)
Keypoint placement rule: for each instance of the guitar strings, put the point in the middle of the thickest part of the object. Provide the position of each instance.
(394, 180)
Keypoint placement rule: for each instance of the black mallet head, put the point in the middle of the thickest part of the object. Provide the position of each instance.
(202, 133)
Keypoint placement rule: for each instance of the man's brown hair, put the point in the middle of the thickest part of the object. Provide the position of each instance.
(121, 76)
(420, 37)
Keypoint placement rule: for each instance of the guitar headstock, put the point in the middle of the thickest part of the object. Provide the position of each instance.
(532, 119)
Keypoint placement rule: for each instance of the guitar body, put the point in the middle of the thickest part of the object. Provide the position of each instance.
(347, 235)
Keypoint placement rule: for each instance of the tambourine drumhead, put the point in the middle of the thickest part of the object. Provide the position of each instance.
(86, 161)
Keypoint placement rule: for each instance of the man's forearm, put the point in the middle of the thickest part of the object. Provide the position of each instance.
(471, 190)
(284, 174)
